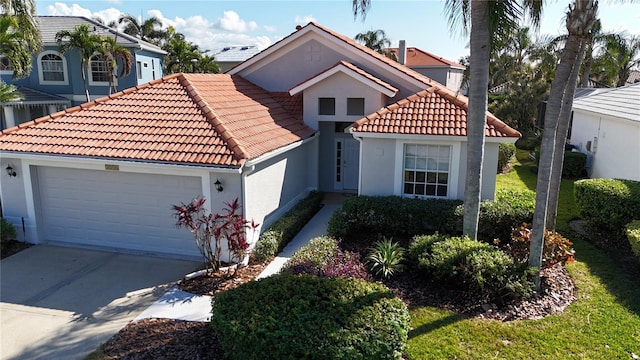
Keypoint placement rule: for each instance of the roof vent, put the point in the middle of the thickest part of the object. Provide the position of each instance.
(244, 48)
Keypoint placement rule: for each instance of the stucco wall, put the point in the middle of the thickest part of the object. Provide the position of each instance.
(278, 183)
(13, 195)
(339, 86)
(615, 144)
(378, 164)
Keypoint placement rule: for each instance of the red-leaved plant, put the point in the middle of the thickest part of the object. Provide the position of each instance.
(557, 249)
(211, 229)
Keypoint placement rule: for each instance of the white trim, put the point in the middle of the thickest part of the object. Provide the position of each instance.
(418, 137)
(99, 83)
(206, 190)
(64, 69)
(349, 72)
(98, 164)
(32, 222)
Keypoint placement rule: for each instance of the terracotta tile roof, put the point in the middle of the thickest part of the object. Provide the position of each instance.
(351, 67)
(292, 104)
(417, 57)
(201, 119)
(429, 112)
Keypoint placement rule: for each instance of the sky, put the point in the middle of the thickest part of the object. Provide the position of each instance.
(213, 24)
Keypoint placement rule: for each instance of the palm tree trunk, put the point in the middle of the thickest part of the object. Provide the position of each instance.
(84, 69)
(587, 70)
(477, 116)
(560, 141)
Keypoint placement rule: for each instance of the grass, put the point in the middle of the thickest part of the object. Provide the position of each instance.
(604, 323)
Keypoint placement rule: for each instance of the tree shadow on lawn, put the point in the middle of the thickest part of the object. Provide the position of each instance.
(620, 278)
(435, 325)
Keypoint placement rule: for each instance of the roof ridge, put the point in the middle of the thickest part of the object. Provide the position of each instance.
(212, 117)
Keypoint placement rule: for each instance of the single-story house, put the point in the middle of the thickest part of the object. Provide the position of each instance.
(316, 110)
(606, 127)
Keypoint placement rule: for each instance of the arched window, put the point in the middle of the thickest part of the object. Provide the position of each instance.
(5, 65)
(52, 69)
(99, 72)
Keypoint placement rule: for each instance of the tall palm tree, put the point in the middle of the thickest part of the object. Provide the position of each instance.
(148, 30)
(14, 46)
(620, 54)
(112, 53)
(85, 42)
(24, 11)
(580, 20)
(489, 20)
(9, 93)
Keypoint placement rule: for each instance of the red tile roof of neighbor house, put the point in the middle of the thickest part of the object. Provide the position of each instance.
(205, 119)
(429, 112)
(417, 57)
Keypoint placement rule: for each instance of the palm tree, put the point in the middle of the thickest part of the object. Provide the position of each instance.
(489, 20)
(24, 12)
(620, 54)
(147, 30)
(9, 93)
(85, 42)
(112, 53)
(580, 20)
(374, 39)
(14, 46)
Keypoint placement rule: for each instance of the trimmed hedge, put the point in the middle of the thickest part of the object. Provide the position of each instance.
(310, 317)
(608, 204)
(574, 164)
(281, 232)
(633, 235)
(392, 216)
(323, 257)
(505, 152)
(474, 266)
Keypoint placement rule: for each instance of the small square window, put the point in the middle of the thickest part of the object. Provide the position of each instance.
(326, 106)
(355, 106)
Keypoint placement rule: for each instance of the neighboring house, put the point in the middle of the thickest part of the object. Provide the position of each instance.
(314, 111)
(437, 68)
(56, 76)
(606, 127)
(634, 77)
(230, 56)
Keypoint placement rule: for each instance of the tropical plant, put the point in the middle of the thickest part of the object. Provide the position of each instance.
(580, 20)
(24, 13)
(182, 56)
(385, 258)
(149, 30)
(113, 53)
(620, 54)
(14, 46)
(211, 229)
(85, 42)
(377, 41)
(9, 93)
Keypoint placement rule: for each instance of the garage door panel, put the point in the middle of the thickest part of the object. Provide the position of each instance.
(115, 209)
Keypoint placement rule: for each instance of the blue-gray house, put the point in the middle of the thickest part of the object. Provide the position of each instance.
(55, 82)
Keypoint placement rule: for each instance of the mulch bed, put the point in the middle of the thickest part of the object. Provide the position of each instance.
(11, 247)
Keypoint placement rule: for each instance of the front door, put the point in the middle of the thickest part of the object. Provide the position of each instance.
(347, 164)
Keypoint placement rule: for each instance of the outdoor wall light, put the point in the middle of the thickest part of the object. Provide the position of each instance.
(218, 185)
(10, 171)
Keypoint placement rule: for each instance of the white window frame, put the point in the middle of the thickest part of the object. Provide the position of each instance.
(6, 72)
(99, 83)
(453, 173)
(64, 69)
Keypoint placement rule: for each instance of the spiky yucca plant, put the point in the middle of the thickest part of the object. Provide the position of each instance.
(385, 258)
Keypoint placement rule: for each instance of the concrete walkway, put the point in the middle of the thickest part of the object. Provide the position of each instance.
(180, 305)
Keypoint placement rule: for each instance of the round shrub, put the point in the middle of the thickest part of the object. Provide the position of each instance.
(323, 257)
(633, 235)
(267, 245)
(608, 204)
(310, 317)
(421, 245)
(475, 266)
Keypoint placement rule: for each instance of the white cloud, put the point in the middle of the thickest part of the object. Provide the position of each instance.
(231, 21)
(270, 28)
(62, 9)
(115, 1)
(304, 20)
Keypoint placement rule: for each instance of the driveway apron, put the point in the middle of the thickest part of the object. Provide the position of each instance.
(62, 303)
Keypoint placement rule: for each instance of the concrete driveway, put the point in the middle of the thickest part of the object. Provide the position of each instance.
(62, 303)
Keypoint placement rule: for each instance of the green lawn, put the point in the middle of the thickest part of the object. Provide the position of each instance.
(603, 324)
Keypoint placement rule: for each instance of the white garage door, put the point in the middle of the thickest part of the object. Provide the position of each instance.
(115, 209)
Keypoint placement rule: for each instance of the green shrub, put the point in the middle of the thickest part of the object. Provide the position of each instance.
(506, 151)
(7, 231)
(557, 249)
(421, 245)
(633, 234)
(385, 258)
(574, 164)
(528, 142)
(392, 216)
(309, 317)
(283, 230)
(314, 256)
(477, 267)
(608, 204)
